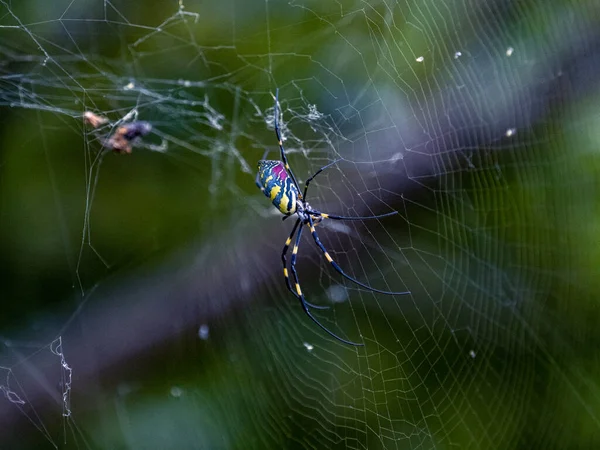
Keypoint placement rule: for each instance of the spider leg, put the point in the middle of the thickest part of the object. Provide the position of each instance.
(280, 141)
(334, 217)
(258, 174)
(338, 268)
(303, 301)
(285, 271)
(317, 173)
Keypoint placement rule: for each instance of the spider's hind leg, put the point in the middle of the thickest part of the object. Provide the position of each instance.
(280, 141)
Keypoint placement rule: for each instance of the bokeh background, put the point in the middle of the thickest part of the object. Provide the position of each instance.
(143, 304)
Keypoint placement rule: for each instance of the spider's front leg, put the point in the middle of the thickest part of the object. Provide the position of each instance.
(303, 301)
(284, 262)
(310, 224)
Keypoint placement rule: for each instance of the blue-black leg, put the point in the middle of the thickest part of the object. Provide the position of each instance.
(310, 224)
(280, 141)
(334, 217)
(284, 261)
(258, 185)
(317, 173)
(300, 295)
(258, 174)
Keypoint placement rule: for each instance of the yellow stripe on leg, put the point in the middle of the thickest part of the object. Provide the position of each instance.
(325, 216)
(329, 258)
(298, 289)
(288, 242)
(295, 249)
(285, 272)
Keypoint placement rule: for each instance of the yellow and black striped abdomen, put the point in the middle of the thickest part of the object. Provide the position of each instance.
(278, 186)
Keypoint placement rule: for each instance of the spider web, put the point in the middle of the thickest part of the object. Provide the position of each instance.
(143, 299)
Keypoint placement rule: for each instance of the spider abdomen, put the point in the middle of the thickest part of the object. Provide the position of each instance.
(278, 186)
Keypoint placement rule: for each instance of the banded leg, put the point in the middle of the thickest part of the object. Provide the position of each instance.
(300, 296)
(334, 217)
(310, 224)
(284, 261)
(317, 173)
(280, 141)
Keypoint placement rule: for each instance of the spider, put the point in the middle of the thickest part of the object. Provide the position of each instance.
(277, 181)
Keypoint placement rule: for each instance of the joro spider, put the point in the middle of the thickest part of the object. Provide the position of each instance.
(277, 181)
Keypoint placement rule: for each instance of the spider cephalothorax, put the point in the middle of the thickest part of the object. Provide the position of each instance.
(277, 181)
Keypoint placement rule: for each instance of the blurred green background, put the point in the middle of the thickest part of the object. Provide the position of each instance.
(160, 270)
